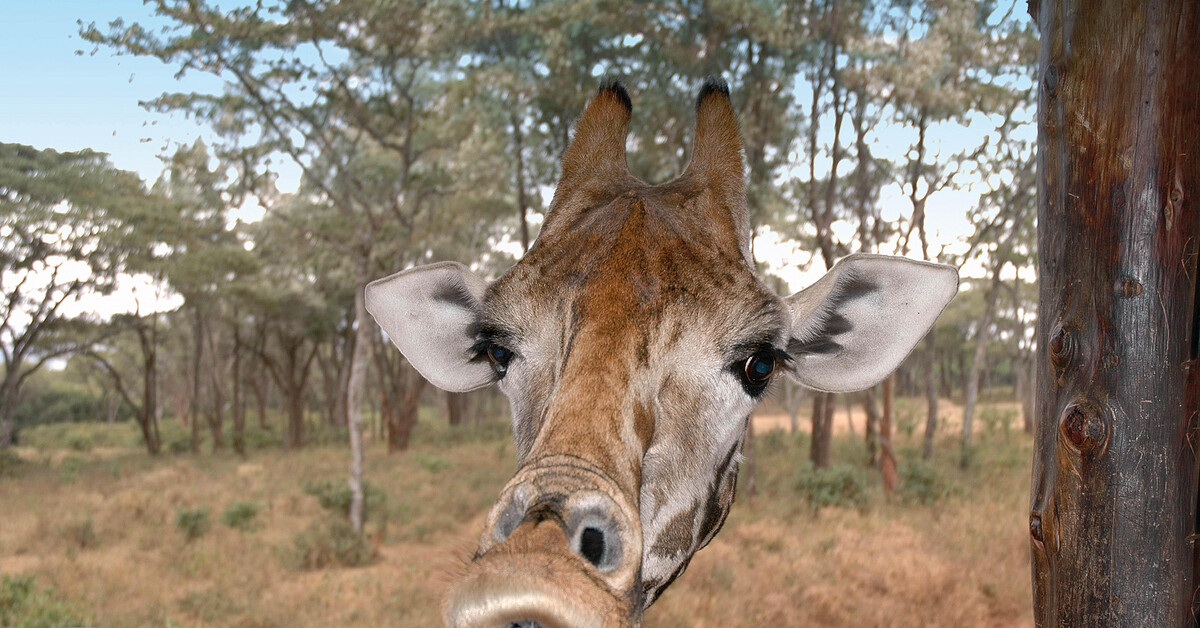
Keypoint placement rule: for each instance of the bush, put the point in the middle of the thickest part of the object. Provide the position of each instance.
(193, 522)
(993, 417)
(432, 463)
(241, 515)
(82, 436)
(921, 482)
(327, 543)
(23, 603)
(334, 496)
(79, 442)
(48, 401)
(839, 485)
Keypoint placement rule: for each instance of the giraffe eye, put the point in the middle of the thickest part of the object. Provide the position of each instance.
(759, 368)
(499, 357)
(756, 371)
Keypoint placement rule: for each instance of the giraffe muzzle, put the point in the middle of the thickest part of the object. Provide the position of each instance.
(561, 548)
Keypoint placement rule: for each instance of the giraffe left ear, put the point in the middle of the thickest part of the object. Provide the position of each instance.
(856, 324)
(429, 313)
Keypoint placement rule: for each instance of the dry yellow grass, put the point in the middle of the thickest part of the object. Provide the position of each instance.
(961, 561)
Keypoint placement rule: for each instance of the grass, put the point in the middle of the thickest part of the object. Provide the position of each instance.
(948, 549)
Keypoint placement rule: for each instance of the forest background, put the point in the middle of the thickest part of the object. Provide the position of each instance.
(206, 305)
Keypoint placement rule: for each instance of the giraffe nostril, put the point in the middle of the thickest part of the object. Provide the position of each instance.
(591, 545)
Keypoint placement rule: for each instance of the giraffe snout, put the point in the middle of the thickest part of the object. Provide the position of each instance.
(561, 547)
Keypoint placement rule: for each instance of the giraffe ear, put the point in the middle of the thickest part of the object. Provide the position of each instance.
(429, 313)
(856, 324)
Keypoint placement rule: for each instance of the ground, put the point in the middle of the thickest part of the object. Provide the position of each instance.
(96, 523)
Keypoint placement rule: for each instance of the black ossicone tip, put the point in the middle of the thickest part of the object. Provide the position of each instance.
(615, 86)
(712, 84)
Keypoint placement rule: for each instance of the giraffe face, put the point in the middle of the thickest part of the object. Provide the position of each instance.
(633, 341)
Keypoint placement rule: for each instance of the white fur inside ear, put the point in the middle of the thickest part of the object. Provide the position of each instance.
(856, 324)
(429, 312)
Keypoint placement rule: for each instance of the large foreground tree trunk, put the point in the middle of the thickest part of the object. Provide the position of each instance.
(1113, 504)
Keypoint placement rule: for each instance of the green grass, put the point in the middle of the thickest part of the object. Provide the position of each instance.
(23, 604)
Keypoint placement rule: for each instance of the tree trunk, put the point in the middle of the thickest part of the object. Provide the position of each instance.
(887, 457)
(792, 396)
(850, 415)
(1113, 505)
(364, 326)
(194, 406)
(262, 394)
(822, 428)
(872, 430)
(983, 335)
(404, 418)
(239, 407)
(931, 395)
(454, 407)
(9, 398)
(295, 418)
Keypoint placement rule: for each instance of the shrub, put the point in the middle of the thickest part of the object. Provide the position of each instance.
(993, 417)
(23, 603)
(432, 463)
(334, 496)
(193, 522)
(241, 515)
(921, 482)
(839, 485)
(79, 442)
(326, 543)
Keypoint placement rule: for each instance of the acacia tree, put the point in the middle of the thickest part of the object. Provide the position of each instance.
(62, 238)
(319, 83)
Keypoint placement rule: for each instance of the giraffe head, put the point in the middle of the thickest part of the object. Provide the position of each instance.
(633, 341)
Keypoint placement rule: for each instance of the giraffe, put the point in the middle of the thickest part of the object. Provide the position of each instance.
(633, 340)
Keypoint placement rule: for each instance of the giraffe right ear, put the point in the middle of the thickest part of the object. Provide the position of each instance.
(429, 313)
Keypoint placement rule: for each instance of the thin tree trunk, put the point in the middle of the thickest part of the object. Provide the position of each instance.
(454, 408)
(931, 395)
(872, 431)
(850, 415)
(983, 335)
(404, 419)
(357, 383)
(791, 399)
(197, 354)
(239, 407)
(887, 457)
(822, 422)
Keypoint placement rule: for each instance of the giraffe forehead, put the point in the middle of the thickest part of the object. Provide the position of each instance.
(633, 266)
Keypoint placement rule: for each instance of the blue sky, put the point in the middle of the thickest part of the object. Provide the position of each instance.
(53, 98)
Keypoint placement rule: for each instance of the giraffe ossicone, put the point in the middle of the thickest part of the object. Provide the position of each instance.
(633, 341)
